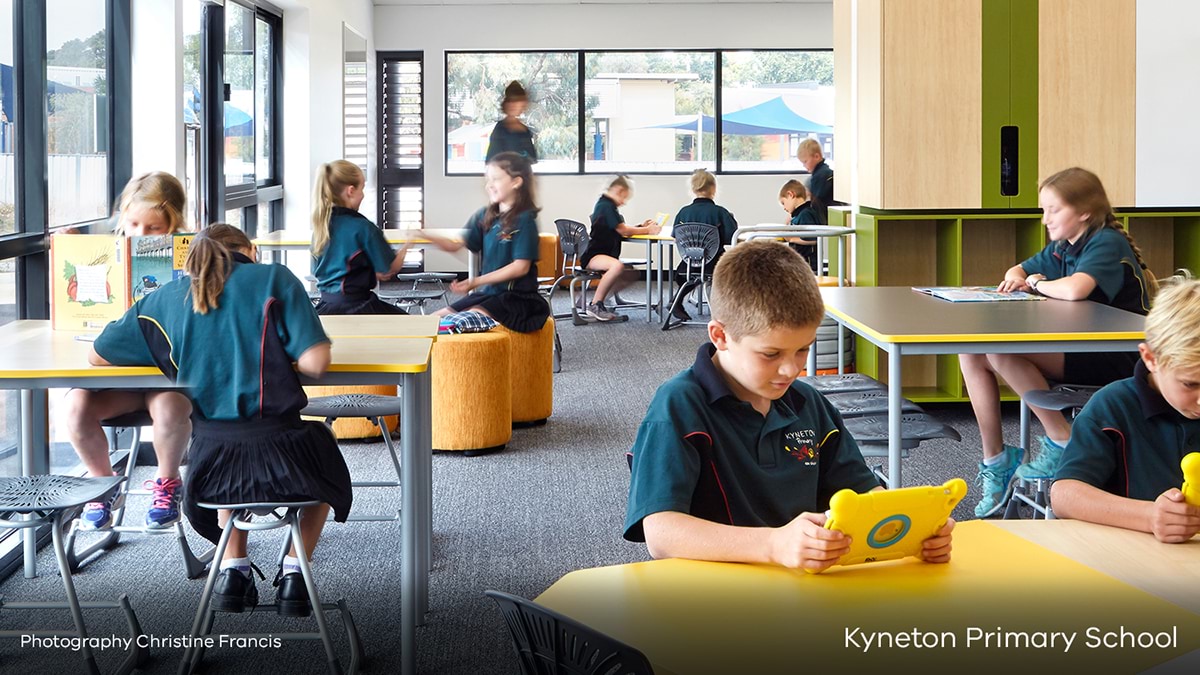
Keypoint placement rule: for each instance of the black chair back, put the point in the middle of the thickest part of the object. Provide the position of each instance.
(698, 243)
(549, 643)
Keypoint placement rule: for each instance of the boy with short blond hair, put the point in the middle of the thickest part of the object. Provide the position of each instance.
(820, 182)
(736, 460)
(1121, 466)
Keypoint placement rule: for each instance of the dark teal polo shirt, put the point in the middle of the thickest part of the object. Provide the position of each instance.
(702, 451)
(820, 189)
(605, 240)
(704, 210)
(805, 214)
(500, 249)
(1103, 254)
(504, 139)
(1128, 440)
(356, 251)
(236, 360)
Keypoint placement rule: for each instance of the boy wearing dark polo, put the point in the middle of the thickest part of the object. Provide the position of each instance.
(736, 460)
(1121, 466)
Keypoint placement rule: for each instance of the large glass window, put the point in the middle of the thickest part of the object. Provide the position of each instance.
(76, 110)
(8, 127)
(193, 114)
(239, 108)
(263, 83)
(475, 85)
(649, 111)
(770, 102)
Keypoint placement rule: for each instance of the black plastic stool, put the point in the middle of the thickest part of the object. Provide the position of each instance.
(28, 502)
(194, 565)
(241, 518)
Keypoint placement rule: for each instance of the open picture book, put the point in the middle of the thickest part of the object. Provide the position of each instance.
(974, 294)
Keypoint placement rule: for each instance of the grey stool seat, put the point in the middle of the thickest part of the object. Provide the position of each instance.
(1060, 397)
(375, 408)
(869, 402)
(915, 428)
(269, 518)
(409, 295)
(836, 384)
(427, 276)
(30, 502)
(353, 405)
(194, 565)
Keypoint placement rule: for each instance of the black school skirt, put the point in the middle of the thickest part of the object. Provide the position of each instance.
(340, 303)
(1098, 368)
(280, 459)
(523, 312)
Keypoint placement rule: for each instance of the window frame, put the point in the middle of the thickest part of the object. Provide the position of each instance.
(581, 55)
(397, 177)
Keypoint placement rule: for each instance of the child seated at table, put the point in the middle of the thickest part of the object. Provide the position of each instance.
(793, 197)
(603, 253)
(1121, 466)
(736, 460)
(703, 209)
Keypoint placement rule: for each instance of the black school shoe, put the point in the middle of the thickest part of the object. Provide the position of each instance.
(234, 591)
(292, 597)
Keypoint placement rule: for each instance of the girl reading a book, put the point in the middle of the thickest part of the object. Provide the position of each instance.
(350, 253)
(1090, 257)
(152, 203)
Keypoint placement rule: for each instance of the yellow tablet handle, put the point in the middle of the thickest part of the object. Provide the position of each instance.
(1191, 478)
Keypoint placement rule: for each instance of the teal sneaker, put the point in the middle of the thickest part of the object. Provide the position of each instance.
(996, 481)
(1045, 464)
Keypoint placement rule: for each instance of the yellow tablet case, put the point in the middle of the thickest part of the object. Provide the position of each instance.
(891, 524)
(1191, 478)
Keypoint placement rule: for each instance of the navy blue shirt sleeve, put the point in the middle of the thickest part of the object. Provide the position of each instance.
(664, 474)
(1043, 262)
(728, 227)
(1091, 454)
(378, 251)
(301, 328)
(473, 233)
(121, 343)
(1102, 258)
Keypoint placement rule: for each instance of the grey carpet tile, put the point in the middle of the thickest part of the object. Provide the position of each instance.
(553, 501)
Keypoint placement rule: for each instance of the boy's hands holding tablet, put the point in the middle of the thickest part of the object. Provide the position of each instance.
(805, 544)
(936, 549)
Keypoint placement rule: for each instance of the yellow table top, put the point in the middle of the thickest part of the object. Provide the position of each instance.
(30, 349)
(294, 238)
(692, 617)
(380, 325)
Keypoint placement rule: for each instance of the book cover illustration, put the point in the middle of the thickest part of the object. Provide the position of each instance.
(974, 294)
(89, 286)
(156, 259)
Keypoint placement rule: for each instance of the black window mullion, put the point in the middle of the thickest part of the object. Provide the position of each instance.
(718, 112)
(212, 98)
(32, 209)
(120, 92)
(581, 69)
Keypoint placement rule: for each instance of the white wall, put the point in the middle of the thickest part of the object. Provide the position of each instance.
(436, 29)
(1168, 101)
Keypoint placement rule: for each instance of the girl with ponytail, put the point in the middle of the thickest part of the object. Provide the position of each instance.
(230, 333)
(349, 252)
(1090, 257)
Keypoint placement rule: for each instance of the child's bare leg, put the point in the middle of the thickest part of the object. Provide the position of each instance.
(984, 392)
(171, 413)
(312, 522)
(613, 270)
(82, 412)
(236, 547)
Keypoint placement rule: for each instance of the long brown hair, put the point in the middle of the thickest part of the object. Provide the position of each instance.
(1082, 191)
(516, 166)
(332, 178)
(210, 262)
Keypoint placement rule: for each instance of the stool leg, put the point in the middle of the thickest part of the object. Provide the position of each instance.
(64, 569)
(191, 658)
(387, 440)
(313, 598)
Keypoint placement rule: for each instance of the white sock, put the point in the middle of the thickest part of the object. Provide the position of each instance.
(291, 564)
(995, 459)
(240, 564)
(1062, 445)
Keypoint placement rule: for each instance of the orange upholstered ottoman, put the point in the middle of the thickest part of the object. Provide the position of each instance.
(472, 391)
(355, 427)
(532, 374)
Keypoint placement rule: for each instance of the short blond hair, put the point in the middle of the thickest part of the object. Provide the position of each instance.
(1173, 324)
(809, 146)
(703, 183)
(761, 285)
(795, 188)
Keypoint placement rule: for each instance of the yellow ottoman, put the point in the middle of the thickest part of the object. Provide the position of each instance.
(472, 392)
(355, 427)
(532, 374)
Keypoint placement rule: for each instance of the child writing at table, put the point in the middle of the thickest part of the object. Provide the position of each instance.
(230, 332)
(736, 460)
(1090, 257)
(150, 204)
(505, 232)
(1121, 466)
(349, 252)
(703, 209)
(793, 197)
(603, 253)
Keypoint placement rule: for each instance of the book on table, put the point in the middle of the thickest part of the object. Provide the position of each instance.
(975, 294)
(94, 278)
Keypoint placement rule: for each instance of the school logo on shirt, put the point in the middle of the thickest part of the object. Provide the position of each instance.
(803, 446)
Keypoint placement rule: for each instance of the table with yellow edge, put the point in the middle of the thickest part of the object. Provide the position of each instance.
(277, 243)
(34, 358)
(901, 321)
(663, 238)
(993, 609)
